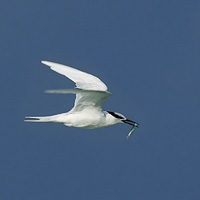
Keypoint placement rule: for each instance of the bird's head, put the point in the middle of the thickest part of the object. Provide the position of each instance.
(119, 118)
(123, 119)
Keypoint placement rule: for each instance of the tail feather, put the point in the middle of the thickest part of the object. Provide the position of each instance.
(39, 119)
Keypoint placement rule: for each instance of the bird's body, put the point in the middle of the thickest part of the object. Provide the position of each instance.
(86, 118)
(87, 112)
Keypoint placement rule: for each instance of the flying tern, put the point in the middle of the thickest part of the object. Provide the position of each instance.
(87, 112)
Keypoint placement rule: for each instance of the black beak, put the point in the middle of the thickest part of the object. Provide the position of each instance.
(130, 122)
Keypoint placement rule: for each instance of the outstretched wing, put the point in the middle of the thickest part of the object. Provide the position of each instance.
(83, 80)
(84, 98)
(91, 92)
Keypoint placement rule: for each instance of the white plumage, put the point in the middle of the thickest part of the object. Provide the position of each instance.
(87, 112)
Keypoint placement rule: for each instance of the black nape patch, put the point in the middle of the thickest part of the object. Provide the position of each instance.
(115, 115)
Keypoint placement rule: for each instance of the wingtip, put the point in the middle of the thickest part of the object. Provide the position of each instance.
(44, 62)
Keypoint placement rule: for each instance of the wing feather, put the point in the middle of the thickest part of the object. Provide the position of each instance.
(84, 98)
(82, 79)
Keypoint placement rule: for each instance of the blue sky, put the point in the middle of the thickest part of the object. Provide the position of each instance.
(147, 52)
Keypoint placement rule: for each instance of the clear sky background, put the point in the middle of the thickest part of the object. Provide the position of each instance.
(148, 53)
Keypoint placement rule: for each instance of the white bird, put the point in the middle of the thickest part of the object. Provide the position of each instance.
(87, 112)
